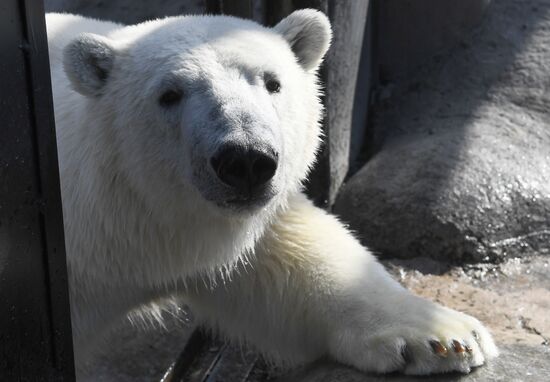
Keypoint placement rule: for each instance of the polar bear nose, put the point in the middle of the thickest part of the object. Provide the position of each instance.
(244, 169)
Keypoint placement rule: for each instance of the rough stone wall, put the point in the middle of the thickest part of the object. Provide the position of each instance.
(463, 171)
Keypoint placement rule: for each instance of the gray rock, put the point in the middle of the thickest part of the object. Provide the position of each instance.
(462, 170)
(516, 363)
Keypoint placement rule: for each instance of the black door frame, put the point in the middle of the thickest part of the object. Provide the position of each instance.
(35, 326)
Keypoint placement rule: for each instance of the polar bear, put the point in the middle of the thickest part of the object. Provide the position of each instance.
(183, 144)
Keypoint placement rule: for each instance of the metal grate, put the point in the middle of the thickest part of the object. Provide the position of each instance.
(205, 359)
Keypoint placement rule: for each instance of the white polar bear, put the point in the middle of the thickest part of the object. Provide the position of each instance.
(183, 144)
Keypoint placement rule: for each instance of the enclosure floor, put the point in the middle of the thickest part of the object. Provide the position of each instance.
(139, 351)
(512, 299)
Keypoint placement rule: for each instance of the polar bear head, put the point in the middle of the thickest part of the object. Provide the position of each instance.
(211, 113)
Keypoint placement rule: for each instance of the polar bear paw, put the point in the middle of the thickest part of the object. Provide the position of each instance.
(438, 340)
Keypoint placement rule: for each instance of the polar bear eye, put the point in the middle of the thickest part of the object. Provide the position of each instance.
(272, 84)
(170, 98)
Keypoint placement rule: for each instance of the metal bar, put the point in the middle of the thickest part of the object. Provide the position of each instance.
(51, 207)
(234, 364)
(198, 358)
(35, 330)
(194, 348)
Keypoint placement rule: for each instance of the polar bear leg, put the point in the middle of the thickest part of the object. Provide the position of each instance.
(313, 290)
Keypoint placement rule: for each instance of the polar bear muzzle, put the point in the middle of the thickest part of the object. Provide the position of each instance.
(247, 170)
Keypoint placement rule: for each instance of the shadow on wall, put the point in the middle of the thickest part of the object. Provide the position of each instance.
(125, 11)
(459, 170)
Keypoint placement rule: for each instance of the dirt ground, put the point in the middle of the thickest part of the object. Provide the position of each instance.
(512, 299)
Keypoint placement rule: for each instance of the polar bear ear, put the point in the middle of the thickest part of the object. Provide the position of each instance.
(88, 61)
(309, 33)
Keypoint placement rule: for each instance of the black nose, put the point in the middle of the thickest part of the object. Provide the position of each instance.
(244, 169)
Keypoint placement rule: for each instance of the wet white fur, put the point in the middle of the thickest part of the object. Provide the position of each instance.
(287, 278)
